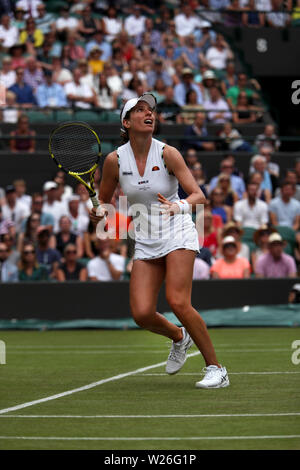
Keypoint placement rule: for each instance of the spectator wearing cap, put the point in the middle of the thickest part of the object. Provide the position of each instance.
(51, 203)
(198, 129)
(24, 93)
(208, 80)
(8, 271)
(25, 142)
(230, 266)
(99, 41)
(251, 211)
(217, 56)
(134, 24)
(158, 72)
(47, 256)
(9, 34)
(284, 209)
(186, 84)
(275, 263)
(217, 108)
(13, 210)
(50, 94)
(294, 294)
(232, 229)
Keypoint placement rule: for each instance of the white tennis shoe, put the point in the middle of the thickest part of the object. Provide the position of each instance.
(177, 356)
(215, 377)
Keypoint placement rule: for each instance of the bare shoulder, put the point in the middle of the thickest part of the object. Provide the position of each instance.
(172, 156)
(111, 164)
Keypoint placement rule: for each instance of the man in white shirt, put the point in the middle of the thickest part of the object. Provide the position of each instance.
(186, 22)
(14, 211)
(251, 212)
(135, 23)
(80, 94)
(52, 205)
(9, 34)
(80, 221)
(218, 54)
(65, 22)
(107, 266)
(29, 6)
(217, 107)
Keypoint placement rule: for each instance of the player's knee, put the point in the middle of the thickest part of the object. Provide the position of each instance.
(143, 317)
(179, 304)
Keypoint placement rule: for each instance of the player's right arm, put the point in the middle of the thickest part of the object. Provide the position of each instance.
(108, 184)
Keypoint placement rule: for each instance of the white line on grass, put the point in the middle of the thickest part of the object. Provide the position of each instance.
(237, 415)
(86, 387)
(230, 373)
(192, 438)
(145, 351)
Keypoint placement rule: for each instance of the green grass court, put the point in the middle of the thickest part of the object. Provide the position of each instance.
(133, 404)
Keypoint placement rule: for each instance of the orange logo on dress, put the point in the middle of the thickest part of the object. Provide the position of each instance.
(155, 168)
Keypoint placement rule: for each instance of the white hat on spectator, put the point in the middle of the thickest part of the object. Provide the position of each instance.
(49, 185)
(229, 240)
(209, 74)
(275, 238)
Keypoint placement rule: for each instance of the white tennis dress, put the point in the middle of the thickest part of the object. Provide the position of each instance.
(155, 235)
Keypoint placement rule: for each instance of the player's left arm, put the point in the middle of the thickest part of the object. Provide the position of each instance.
(177, 166)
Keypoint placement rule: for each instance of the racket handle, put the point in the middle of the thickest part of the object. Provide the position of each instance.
(95, 201)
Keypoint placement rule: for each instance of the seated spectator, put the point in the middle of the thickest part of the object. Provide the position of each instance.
(23, 143)
(30, 234)
(230, 266)
(99, 41)
(87, 25)
(230, 196)
(234, 91)
(90, 241)
(14, 210)
(23, 92)
(11, 113)
(284, 209)
(65, 191)
(65, 236)
(191, 108)
(251, 211)
(29, 6)
(233, 139)
(60, 74)
(277, 18)
(20, 187)
(13, 255)
(243, 112)
(261, 240)
(65, 23)
(31, 36)
(152, 33)
(106, 266)
(186, 22)
(79, 220)
(50, 94)
(51, 205)
(106, 99)
(36, 207)
(218, 207)
(262, 194)
(45, 21)
(75, 50)
(48, 257)
(217, 56)
(126, 47)
(198, 129)
(291, 177)
(17, 54)
(201, 270)
(268, 137)
(217, 108)
(9, 33)
(236, 182)
(8, 271)
(18, 20)
(95, 62)
(272, 167)
(259, 165)
(187, 83)
(234, 230)
(275, 263)
(211, 235)
(71, 269)
(294, 294)
(33, 74)
(7, 74)
(134, 23)
(29, 267)
(229, 77)
(167, 110)
(158, 71)
(198, 173)
(78, 94)
(252, 18)
(111, 24)
(191, 54)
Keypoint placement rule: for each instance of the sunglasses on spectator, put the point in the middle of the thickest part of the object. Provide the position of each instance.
(28, 252)
(227, 166)
(70, 251)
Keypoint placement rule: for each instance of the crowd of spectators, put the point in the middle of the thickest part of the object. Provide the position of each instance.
(92, 55)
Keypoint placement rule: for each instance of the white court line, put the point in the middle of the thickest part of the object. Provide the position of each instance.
(150, 351)
(230, 373)
(238, 415)
(86, 387)
(192, 438)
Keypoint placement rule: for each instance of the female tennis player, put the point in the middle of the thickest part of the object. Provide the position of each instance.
(149, 172)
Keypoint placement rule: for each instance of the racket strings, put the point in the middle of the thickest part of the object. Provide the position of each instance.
(75, 148)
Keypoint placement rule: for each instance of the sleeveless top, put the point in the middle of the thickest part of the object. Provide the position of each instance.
(154, 235)
(61, 244)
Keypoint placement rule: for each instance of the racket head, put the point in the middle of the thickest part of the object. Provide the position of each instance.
(75, 147)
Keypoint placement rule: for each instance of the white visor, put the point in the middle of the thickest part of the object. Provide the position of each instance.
(148, 97)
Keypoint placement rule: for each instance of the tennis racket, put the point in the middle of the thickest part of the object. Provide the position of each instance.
(76, 149)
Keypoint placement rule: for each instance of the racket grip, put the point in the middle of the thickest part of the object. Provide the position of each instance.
(95, 201)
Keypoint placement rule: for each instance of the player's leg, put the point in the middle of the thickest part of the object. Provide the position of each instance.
(179, 276)
(145, 282)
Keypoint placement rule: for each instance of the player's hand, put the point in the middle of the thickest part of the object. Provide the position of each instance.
(167, 207)
(97, 214)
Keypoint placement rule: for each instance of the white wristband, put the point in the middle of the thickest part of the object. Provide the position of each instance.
(183, 206)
